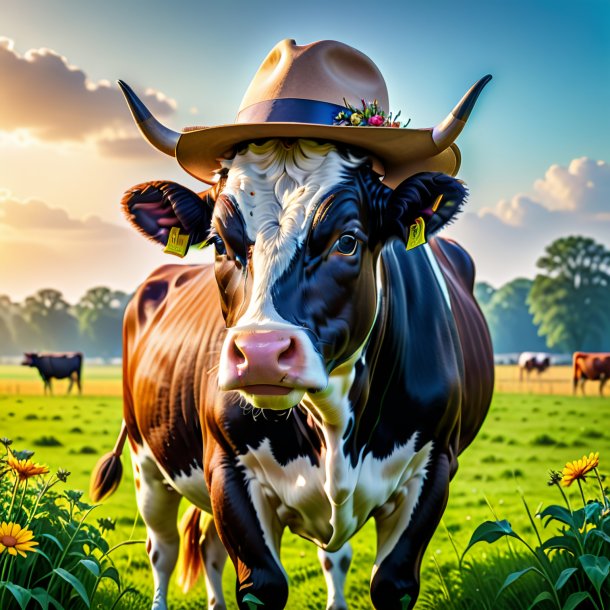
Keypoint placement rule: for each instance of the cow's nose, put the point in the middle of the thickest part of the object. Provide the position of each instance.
(263, 355)
(278, 359)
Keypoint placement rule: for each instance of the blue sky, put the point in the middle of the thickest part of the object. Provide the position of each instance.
(546, 106)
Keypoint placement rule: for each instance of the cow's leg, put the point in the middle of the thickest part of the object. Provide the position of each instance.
(582, 385)
(395, 581)
(158, 505)
(214, 557)
(335, 567)
(602, 383)
(70, 384)
(251, 533)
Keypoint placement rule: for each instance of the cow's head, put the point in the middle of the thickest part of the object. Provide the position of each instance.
(29, 359)
(297, 227)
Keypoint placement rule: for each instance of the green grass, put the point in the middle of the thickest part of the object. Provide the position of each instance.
(507, 456)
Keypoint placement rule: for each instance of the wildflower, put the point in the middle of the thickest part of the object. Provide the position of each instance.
(15, 539)
(554, 477)
(62, 474)
(6, 441)
(576, 470)
(25, 468)
(106, 524)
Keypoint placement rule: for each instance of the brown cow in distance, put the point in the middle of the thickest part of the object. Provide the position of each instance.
(594, 366)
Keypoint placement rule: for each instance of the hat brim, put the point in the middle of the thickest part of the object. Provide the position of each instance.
(402, 152)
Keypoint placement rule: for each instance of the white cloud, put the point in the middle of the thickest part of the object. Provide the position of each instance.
(42, 94)
(46, 247)
(582, 188)
(506, 241)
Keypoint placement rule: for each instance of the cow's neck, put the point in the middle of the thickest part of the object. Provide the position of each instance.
(333, 413)
(335, 409)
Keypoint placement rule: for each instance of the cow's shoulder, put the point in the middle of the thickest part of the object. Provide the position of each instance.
(163, 287)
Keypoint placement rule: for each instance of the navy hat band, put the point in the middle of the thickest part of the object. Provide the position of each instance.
(290, 110)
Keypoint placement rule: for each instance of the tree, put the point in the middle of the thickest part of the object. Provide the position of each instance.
(510, 323)
(100, 316)
(570, 299)
(50, 315)
(483, 293)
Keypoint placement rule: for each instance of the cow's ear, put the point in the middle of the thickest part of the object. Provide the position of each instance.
(165, 211)
(423, 204)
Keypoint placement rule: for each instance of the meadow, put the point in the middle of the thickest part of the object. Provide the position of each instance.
(532, 427)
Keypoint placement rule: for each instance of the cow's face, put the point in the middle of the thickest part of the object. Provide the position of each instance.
(298, 227)
(28, 359)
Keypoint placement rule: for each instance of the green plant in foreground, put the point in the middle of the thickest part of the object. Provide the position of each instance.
(573, 564)
(50, 556)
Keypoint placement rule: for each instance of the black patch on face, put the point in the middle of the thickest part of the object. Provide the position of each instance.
(329, 288)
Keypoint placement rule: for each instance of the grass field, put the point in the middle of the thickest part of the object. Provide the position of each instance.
(525, 435)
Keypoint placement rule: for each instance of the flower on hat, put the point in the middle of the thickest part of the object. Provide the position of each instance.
(370, 115)
(356, 118)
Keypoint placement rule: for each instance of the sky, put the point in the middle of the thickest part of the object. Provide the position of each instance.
(535, 152)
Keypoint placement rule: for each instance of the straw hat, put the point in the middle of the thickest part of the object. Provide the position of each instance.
(297, 93)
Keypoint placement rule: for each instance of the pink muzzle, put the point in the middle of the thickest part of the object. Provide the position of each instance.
(272, 362)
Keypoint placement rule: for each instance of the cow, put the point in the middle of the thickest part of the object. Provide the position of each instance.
(318, 374)
(594, 366)
(58, 366)
(533, 361)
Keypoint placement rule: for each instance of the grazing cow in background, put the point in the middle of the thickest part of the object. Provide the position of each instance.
(533, 361)
(319, 374)
(58, 366)
(593, 366)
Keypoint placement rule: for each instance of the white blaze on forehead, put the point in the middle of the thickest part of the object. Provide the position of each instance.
(277, 187)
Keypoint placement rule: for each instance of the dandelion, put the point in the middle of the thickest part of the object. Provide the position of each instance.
(15, 539)
(576, 470)
(25, 468)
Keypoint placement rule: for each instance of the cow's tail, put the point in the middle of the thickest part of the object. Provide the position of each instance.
(106, 475)
(192, 532)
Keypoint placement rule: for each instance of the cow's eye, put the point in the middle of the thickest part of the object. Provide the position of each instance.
(347, 245)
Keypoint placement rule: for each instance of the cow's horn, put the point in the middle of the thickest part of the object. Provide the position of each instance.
(157, 134)
(446, 132)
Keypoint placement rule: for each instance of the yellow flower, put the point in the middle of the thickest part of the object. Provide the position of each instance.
(577, 469)
(356, 119)
(25, 469)
(16, 540)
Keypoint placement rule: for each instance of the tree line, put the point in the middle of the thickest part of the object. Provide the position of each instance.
(45, 321)
(565, 308)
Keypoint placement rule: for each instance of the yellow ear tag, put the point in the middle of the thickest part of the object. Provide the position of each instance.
(417, 234)
(176, 243)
